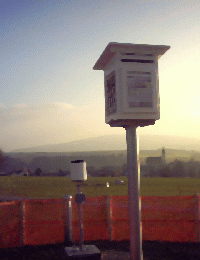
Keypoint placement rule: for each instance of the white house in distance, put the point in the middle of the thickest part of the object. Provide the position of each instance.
(24, 172)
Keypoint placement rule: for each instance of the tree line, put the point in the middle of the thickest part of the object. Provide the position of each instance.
(108, 165)
(177, 168)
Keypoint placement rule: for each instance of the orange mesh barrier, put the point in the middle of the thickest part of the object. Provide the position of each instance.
(163, 218)
(120, 218)
(94, 217)
(171, 231)
(168, 208)
(10, 224)
(197, 214)
(173, 219)
(44, 223)
(168, 218)
(198, 206)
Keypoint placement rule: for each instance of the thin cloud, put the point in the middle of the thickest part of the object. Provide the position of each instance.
(63, 105)
(2, 105)
(23, 105)
(25, 126)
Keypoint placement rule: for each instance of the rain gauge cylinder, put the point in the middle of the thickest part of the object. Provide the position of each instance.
(78, 174)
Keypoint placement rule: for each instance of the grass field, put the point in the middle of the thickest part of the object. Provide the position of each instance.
(56, 187)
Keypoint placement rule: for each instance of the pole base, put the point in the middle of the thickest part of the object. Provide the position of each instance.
(89, 252)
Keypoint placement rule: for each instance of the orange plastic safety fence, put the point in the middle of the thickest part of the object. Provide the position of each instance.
(198, 206)
(168, 230)
(168, 208)
(10, 224)
(94, 218)
(168, 218)
(174, 219)
(120, 218)
(44, 222)
(163, 218)
(197, 215)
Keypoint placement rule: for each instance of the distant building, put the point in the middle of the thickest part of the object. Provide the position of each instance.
(19, 173)
(156, 162)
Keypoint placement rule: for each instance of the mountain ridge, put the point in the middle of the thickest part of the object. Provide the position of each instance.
(118, 142)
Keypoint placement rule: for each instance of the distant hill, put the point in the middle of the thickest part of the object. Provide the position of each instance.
(118, 142)
(105, 151)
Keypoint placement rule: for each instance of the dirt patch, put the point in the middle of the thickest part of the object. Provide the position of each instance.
(114, 255)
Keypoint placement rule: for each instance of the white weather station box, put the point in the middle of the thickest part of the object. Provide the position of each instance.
(131, 83)
(78, 170)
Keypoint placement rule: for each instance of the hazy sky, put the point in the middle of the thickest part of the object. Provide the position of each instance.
(49, 92)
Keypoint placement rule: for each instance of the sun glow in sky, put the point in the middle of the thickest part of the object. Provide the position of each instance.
(49, 92)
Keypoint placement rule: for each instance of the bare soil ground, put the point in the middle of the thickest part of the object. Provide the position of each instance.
(109, 251)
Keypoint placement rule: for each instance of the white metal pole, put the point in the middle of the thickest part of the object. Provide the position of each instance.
(134, 195)
(80, 219)
(68, 218)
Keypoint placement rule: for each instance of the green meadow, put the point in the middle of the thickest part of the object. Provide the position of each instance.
(56, 187)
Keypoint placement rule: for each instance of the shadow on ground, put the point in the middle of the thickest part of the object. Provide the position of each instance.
(151, 251)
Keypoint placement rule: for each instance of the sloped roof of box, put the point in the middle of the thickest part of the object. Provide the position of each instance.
(114, 47)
